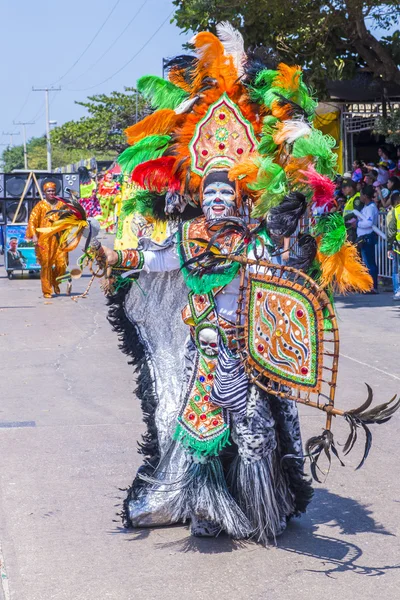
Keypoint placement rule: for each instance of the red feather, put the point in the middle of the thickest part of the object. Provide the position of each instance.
(322, 186)
(157, 175)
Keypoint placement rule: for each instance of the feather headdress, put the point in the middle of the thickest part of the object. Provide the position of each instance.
(220, 108)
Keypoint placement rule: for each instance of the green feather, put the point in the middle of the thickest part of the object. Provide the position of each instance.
(320, 147)
(160, 92)
(262, 83)
(271, 181)
(332, 228)
(149, 148)
(267, 145)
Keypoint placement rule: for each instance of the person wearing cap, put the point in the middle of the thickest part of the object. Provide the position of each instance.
(52, 260)
(349, 189)
(15, 258)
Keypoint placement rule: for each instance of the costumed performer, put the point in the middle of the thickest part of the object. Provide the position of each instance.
(87, 191)
(227, 341)
(235, 141)
(52, 259)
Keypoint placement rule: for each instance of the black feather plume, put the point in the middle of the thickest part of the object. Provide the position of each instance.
(295, 110)
(282, 220)
(306, 253)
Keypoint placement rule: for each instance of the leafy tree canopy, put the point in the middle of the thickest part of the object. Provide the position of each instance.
(103, 129)
(13, 157)
(330, 38)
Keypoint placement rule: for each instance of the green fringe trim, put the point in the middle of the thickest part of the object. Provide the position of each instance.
(206, 283)
(199, 447)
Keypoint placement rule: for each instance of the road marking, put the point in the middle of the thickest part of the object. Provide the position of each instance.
(370, 366)
(3, 576)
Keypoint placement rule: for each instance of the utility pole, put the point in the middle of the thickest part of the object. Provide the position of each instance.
(24, 124)
(46, 98)
(11, 134)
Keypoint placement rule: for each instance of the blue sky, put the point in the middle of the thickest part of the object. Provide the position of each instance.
(41, 40)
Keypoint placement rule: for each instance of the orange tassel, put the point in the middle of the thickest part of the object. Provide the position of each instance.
(345, 271)
(159, 123)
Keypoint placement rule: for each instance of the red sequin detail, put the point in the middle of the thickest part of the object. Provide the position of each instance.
(239, 150)
(206, 398)
(222, 116)
(202, 299)
(215, 422)
(304, 370)
(259, 295)
(191, 416)
(203, 417)
(205, 152)
(222, 146)
(247, 240)
(210, 376)
(300, 313)
(260, 348)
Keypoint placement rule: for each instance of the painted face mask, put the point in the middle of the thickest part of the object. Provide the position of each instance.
(219, 200)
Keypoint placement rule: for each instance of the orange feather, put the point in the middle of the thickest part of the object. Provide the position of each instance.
(246, 170)
(176, 76)
(288, 77)
(345, 271)
(159, 123)
(212, 62)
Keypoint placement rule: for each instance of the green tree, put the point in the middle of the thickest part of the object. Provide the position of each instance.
(103, 129)
(13, 158)
(330, 38)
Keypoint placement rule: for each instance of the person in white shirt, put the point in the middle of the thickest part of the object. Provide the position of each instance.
(366, 237)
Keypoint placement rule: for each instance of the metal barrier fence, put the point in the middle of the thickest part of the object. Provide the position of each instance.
(381, 250)
(383, 262)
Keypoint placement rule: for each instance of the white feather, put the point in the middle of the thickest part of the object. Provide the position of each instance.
(294, 129)
(233, 42)
(186, 105)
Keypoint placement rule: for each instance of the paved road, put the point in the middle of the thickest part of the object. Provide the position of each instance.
(68, 431)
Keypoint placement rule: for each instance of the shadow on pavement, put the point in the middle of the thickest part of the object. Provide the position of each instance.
(367, 300)
(346, 515)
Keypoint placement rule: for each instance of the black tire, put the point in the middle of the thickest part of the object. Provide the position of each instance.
(9, 274)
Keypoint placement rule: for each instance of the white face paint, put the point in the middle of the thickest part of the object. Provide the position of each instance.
(219, 200)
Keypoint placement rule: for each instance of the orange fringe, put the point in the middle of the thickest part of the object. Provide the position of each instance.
(160, 122)
(345, 271)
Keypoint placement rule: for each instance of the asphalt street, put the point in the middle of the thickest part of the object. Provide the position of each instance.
(69, 426)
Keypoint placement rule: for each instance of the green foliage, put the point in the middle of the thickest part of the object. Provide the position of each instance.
(13, 158)
(329, 38)
(103, 129)
(389, 127)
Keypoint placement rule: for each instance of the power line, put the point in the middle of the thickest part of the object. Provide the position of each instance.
(23, 106)
(111, 45)
(128, 62)
(89, 44)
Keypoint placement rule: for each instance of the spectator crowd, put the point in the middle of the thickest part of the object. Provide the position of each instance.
(362, 194)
